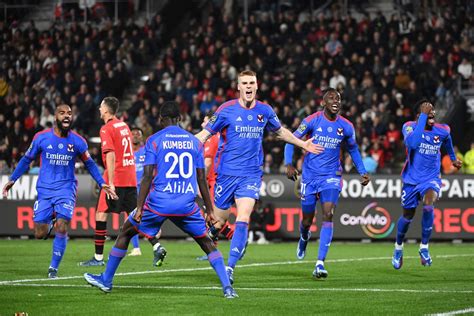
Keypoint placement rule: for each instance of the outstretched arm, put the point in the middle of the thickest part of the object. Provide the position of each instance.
(145, 185)
(92, 168)
(291, 171)
(203, 135)
(21, 168)
(448, 145)
(285, 135)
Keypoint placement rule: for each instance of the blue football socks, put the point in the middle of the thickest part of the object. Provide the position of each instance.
(325, 239)
(237, 243)
(402, 228)
(136, 241)
(427, 223)
(217, 262)
(59, 246)
(115, 257)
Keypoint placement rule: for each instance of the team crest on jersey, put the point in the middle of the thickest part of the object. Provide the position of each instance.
(436, 139)
(260, 118)
(70, 147)
(60, 146)
(340, 131)
(329, 129)
(141, 158)
(213, 119)
(250, 117)
(409, 129)
(302, 128)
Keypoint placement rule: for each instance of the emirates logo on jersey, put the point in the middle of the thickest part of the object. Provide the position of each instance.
(340, 131)
(70, 147)
(436, 139)
(260, 118)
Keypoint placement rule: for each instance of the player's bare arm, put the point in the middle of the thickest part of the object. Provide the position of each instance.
(308, 145)
(204, 189)
(364, 179)
(291, 172)
(7, 188)
(110, 161)
(144, 190)
(203, 135)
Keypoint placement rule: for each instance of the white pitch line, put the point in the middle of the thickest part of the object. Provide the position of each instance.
(254, 289)
(250, 265)
(458, 312)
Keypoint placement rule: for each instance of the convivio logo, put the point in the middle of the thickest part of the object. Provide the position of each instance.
(374, 220)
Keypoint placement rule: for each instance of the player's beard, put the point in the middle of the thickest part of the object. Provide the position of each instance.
(63, 129)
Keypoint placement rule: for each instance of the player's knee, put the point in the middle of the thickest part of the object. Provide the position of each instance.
(40, 234)
(61, 227)
(327, 216)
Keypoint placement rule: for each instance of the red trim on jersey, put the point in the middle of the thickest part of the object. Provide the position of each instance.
(79, 136)
(313, 116)
(146, 207)
(219, 152)
(226, 104)
(406, 162)
(42, 132)
(346, 120)
(443, 126)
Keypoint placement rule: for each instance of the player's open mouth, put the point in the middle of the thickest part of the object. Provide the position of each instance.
(335, 107)
(431, 121)
(66, 123)
(248, 94)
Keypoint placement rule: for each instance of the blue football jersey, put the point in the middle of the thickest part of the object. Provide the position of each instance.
(423, 162)
(330, 135)
(139, 161)
(240, 145)
(58, 156)
(176, 154)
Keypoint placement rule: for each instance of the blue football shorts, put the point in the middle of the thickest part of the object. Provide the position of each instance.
(192, 224)
(322, 188)
(229, 188)
(412, 194)
(61, 207)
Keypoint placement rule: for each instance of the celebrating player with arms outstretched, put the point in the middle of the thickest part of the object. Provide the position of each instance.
(180, 157)
(322, 173)
(239, 160)
(57, 184)
(421, 176)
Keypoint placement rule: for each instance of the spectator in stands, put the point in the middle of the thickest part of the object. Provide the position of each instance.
(469, 160)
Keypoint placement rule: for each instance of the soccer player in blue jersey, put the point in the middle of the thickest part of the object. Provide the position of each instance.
(421, 176)
(57, 185)
(180, 157)
(322, 173)
(139, 153)
(242, 123)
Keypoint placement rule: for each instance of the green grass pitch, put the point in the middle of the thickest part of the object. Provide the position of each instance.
(269, 281)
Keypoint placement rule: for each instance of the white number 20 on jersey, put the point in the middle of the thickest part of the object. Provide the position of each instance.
(180, 162)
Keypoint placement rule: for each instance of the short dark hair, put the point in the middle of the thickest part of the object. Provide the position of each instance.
(112, 103)
(169, 109)
(136, 128)
(61, 105)
(420, 102)
(326, 91)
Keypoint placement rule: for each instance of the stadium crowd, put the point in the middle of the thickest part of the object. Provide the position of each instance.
(381, 68)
